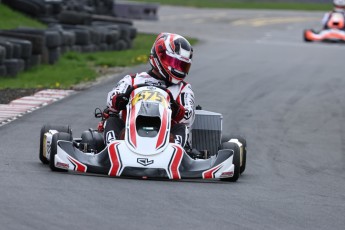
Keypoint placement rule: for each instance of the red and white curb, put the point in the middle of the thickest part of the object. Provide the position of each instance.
(19, 107)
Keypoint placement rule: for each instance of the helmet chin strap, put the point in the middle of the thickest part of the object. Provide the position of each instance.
(155, 74)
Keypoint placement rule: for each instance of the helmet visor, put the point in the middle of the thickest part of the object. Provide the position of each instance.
(175, 63)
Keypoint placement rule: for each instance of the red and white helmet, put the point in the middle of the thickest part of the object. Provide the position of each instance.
(339, 3)
(171, 56)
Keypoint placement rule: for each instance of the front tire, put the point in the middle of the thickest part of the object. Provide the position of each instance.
(305, 36)
(235, 160)
(46, 128)
(53, 150)
(227, 138)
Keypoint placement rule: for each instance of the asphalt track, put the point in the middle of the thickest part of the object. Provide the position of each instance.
(285, 96)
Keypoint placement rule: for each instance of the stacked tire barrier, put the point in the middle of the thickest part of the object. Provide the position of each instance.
(136, 10)
(23, 48)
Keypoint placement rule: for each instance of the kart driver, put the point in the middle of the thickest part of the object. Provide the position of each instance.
(335, 19)
(170, 58)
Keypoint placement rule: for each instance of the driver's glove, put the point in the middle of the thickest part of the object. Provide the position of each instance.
(119, 101)
(178, 112)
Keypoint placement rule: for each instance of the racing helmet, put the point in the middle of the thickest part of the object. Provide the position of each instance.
(171, 56)
(339, 3)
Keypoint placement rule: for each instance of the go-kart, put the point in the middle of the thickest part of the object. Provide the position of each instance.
(333, 31)
(147, 149)
(327, 35)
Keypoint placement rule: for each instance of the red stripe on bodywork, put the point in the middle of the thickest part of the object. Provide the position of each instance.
(132, 128)
(114, 159)
(78, 166)
(175, 164)
(210, 173)
(162, 132)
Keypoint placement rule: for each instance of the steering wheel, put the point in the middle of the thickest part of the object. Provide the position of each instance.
(134, 87)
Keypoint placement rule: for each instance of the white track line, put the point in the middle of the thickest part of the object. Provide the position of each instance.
(19, 107)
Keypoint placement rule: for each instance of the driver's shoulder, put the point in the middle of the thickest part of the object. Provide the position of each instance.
(142, 77)
(186, 85)
(181, 87)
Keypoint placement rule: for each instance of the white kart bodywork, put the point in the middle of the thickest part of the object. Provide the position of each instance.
(147, 149)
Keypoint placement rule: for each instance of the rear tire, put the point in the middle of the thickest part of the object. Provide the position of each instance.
(46, 128)
(236, 160)
(53, 150)
(93, 139)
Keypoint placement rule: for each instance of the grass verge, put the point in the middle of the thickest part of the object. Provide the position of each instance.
(247, 4)
(10, 19)
(73, 68)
